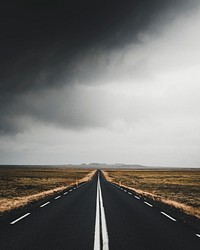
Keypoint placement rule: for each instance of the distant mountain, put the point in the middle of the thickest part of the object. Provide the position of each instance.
(93, 165)
(116, 165)
(129, 166)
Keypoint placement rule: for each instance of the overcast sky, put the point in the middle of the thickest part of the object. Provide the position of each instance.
(100, 81)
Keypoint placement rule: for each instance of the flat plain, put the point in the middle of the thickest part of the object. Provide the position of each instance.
(178, 188)
(20, 185)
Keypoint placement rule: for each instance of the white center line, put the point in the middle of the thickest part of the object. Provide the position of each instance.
(198, 235)
(129, 193)
(171, 218)
(65, 193)
(148, 204)
(100, 218)
(97, 222)
(137, 197)
(57, 197)
(103, 222)
(45, 204)
(13, 222)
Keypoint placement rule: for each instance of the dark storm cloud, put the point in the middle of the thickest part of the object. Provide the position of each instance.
(41, 38)
(40, 42)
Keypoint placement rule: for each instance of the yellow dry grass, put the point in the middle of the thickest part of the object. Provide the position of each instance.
(180, 189)
(20, 186)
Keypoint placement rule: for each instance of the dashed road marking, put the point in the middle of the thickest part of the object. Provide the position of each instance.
(137, 197)
(148, 204)
(65, 193)
(43, 205)
(171, 218)
(57, 197)
(129, 193)
(198, 235)
(20, 218)
(125, 190)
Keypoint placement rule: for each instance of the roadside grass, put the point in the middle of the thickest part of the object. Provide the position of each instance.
(180, 189)
(20, 186)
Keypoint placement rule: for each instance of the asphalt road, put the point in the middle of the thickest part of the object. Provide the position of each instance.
(96, 215)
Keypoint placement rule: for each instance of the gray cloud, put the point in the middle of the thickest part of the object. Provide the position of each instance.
(53, 68)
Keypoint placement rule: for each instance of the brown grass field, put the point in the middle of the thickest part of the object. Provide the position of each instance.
(20, 186)
(178, 188)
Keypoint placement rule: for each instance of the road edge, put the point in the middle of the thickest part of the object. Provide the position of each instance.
(191, 221)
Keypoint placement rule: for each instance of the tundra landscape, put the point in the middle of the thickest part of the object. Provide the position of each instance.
(177, 188)
(21, 185)
(59, 208)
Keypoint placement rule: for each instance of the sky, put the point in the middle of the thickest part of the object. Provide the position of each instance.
(100, 81)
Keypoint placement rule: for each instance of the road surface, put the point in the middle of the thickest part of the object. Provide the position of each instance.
(96, 215)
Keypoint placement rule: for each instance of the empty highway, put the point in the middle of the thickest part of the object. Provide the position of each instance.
(96, 215)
